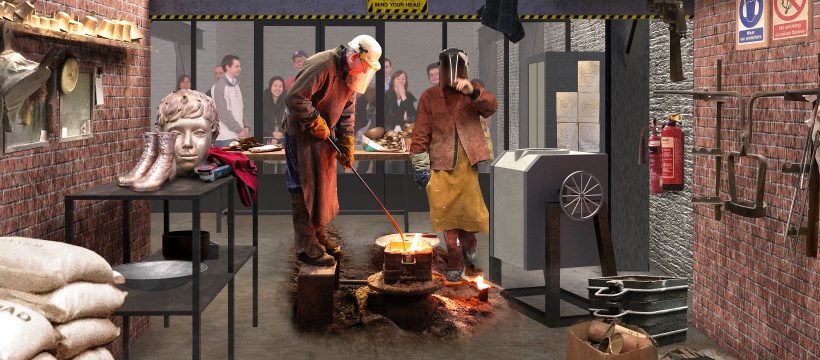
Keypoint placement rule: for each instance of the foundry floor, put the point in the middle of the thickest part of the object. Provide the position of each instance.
(510, 336)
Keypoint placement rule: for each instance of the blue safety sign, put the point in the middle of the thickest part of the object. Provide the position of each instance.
(752, 24)
(751, 11)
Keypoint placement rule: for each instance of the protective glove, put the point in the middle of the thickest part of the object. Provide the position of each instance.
(346, 157)
(421, 166)
(318, 128)
(422, 177)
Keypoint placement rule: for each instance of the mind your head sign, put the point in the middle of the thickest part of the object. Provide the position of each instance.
(752, 18)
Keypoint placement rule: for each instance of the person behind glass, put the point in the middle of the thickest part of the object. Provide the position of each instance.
(388, 72)
(399, 103)
(273, 110)
(432, 74)
(296, 60)
(218, 72)
(229, 105)
(448, 141)
(183, 82)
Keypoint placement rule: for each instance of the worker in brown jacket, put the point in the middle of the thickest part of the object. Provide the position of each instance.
(322, 98)
(448, 139)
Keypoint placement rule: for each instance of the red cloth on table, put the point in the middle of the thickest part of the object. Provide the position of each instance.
(243, 168)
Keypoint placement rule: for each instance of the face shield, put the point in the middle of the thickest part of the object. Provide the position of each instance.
(358, 81)
(451, 61)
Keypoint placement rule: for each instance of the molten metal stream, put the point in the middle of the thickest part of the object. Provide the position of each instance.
(395, 224)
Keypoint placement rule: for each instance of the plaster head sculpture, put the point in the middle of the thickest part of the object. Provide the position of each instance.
(192, 116)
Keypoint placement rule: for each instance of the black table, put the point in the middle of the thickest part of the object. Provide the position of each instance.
(192, 298)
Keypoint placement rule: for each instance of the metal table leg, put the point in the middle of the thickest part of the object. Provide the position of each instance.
(126, 335)
(406, 198)
(196, 315)
(69, 221)
(256, 263)
(166, 227)
(219, 211)
(126, 231)
(232, 271)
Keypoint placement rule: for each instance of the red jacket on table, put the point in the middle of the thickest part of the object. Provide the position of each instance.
(445, 113)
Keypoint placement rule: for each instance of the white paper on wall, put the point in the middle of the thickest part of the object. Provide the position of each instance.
(589, 137)
(567, 136)
(589, 107)
(589, 76)
(566, 107)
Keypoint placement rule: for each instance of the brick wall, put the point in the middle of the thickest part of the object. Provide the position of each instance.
(33, 182)
(754, 292)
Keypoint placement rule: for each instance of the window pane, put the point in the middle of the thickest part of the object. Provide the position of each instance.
(170, 59)
(411, 47)
(285, 48)
(234, 94)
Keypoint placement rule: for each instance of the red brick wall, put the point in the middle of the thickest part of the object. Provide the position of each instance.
(754, 292)
(33, 182)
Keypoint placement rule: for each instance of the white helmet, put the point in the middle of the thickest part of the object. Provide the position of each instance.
(368, 49)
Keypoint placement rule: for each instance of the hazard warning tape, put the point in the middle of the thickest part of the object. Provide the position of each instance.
(399, 17)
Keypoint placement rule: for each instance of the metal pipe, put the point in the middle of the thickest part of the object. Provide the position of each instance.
(395, 224)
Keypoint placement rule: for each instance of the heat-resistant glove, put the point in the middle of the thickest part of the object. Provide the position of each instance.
(346, 157)
(422, 177)
(318, 128)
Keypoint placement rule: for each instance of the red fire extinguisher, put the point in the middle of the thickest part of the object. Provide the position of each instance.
(654, 145)
(672, 154)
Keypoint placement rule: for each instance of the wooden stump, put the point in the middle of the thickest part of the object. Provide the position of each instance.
(314, 295)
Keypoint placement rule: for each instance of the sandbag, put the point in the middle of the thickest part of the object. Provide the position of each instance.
(24, 333)
(44, 356)
(81, 335)
(95, 354)
(74, 301)
(39, 266)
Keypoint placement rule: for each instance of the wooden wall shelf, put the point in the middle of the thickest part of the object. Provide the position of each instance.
(28, 29)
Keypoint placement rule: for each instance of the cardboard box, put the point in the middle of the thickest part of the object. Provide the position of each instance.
(579, 349)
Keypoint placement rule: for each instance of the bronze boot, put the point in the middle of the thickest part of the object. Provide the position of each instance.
(164, 167)
(150, 151)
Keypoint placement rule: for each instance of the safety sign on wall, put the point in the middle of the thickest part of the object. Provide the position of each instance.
(397, 6)
(752, 24)
(791, 19)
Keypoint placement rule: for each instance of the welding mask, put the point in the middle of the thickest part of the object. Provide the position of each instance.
(369, 52)
(452, 65)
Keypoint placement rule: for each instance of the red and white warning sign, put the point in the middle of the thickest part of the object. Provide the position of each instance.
(791, 19)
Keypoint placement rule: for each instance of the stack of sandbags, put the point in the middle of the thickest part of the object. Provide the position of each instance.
(60, 298)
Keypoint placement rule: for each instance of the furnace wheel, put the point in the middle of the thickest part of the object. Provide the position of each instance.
(581, 195)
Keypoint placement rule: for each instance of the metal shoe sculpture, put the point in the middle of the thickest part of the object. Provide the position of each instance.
(150, 152)
(164, 167)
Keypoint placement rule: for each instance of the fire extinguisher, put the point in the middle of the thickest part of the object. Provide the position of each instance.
(672, 154)
(653, 143)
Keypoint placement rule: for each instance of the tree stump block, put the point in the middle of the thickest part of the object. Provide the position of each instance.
(314, 295)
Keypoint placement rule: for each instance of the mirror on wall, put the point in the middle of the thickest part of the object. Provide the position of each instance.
(26, 127)
(76, 109)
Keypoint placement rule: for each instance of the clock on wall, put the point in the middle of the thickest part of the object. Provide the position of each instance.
(69, 74)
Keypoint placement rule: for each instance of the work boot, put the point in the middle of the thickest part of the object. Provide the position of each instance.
(455, 259)
(150, 151)
(309, 250)
(468, 251)
(331, 247)
(164, 167)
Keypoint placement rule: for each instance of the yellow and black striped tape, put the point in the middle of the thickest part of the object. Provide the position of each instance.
(398, 17)
(397, 6)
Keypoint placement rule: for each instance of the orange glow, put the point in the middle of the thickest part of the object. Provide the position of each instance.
(479, 282)
(416, 246)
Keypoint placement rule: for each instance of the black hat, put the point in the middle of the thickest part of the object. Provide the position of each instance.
(299, 53)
